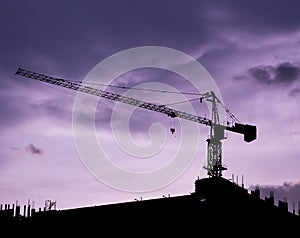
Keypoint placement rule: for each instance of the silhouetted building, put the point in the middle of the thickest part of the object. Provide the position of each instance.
(216, 207)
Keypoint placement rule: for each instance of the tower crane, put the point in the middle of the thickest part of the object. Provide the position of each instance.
(214, 165)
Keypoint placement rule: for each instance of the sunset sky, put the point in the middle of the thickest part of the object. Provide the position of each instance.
(250, 49)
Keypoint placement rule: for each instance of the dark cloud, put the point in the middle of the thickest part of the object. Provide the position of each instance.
(295, 92)
(262, 74)
(32, 149)
(287, 73)
(289, 191)
(284, 73)
(263, 17)
(81, 33)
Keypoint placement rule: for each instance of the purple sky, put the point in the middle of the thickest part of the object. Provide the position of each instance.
(251, 49)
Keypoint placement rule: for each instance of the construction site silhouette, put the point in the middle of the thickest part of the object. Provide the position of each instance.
(217, 206)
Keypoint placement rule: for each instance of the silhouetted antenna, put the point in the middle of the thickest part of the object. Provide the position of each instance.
(294, 208)
(237, 180)
(18, 210)
(24, 213)
(232, 178)
(271, 198)
(298, 208)
(242, 181)
(33, 203)
(28, 209)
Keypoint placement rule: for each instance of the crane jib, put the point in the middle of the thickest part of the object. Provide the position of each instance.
(248, 131)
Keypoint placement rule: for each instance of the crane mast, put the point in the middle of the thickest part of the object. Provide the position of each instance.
(214, 165)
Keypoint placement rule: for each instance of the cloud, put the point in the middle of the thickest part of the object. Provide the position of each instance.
(284, 73)
(288, 190)
(32, 149)
(295, 133)
(295, 92)
(32, 102)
